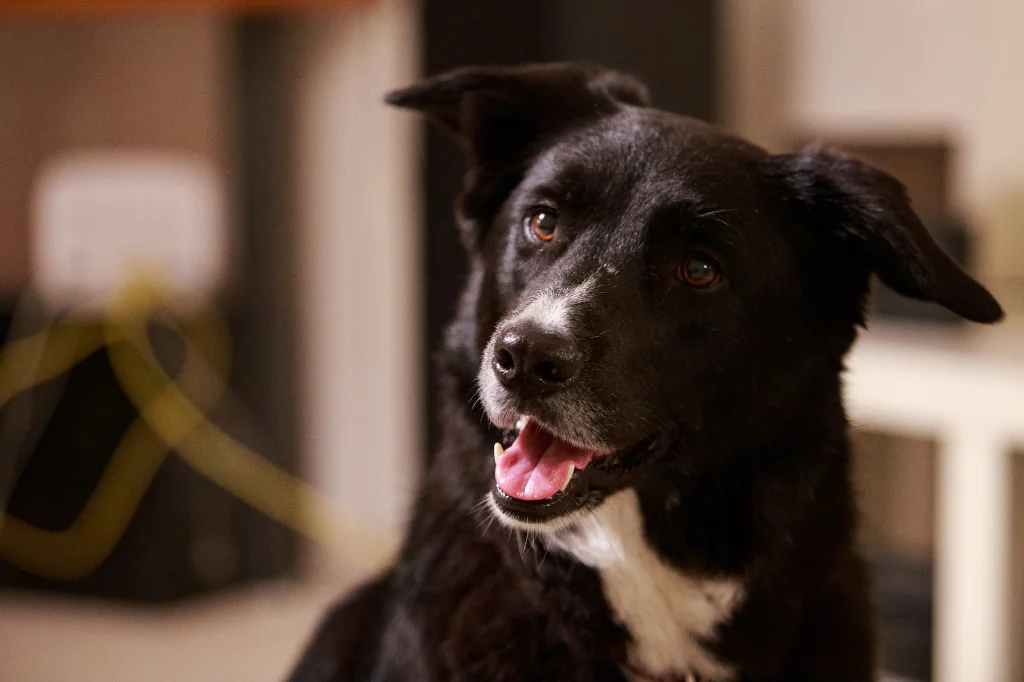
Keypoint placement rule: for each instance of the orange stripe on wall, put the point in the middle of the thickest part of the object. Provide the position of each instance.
(10, 8)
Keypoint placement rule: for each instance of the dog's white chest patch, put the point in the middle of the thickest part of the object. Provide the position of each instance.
(666, 612)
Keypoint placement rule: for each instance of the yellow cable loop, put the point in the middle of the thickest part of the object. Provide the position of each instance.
(170, 418)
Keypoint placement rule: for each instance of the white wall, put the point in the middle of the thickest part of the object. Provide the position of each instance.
(884, 65)
(358, 225)
(878, 68)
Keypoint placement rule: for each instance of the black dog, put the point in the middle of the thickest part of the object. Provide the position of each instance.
(651, 342)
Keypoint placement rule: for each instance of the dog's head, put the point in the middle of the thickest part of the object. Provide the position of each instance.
(641, 280)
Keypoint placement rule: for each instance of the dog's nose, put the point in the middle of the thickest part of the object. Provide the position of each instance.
(533, 360)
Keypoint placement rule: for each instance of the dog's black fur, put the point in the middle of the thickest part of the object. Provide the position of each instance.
(741, 381)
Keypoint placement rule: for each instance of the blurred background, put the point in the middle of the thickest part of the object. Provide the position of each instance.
(224, 173)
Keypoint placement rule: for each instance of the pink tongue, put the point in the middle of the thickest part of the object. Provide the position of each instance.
(536, 465)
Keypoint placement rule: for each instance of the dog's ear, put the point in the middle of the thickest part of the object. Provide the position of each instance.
(501, 115)
(864, 217)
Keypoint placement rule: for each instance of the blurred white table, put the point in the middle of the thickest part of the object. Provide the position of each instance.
(963, 388)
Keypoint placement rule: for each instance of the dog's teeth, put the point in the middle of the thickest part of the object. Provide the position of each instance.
(568, 477)
(497, 451)
(521, 423)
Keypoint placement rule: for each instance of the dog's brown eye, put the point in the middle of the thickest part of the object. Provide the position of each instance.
(699, 272)
(542, 223)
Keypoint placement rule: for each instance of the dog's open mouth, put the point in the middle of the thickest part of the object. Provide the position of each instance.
(539, 477)
(538, 465)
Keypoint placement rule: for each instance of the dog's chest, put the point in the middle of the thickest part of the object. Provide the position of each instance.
(667, 613)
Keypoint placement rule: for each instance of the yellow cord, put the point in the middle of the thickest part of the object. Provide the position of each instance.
(172, 416)
(18, 365)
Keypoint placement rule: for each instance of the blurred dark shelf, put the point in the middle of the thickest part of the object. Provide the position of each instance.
(186, 537)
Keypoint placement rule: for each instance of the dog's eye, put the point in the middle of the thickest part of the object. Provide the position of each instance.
(699, 271)
(541, 223)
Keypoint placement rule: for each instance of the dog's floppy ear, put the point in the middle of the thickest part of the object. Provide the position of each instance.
(474, 102)
(500, 115)
(868, 221)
